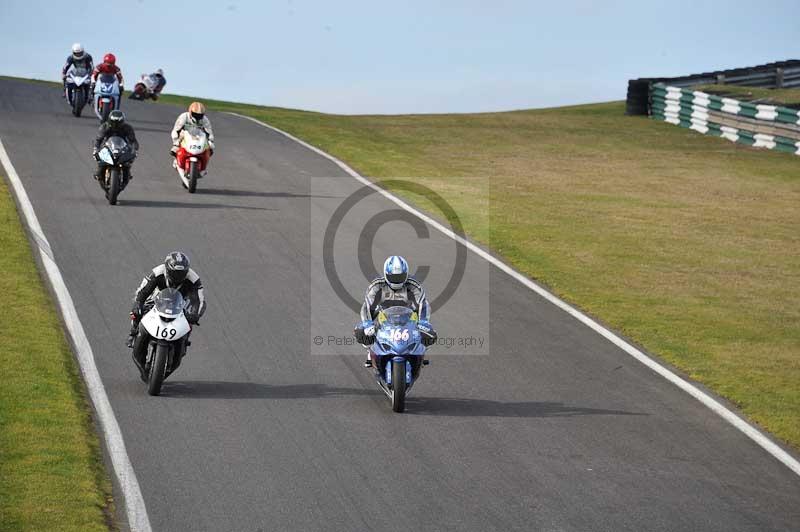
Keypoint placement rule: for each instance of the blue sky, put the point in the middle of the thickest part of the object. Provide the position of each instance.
(401, 57)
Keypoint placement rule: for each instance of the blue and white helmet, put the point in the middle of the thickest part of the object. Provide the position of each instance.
(395, 272)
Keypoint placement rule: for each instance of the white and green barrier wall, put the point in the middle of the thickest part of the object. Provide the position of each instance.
(766, 126)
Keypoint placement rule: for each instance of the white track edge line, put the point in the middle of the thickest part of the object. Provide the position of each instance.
(134, 502)
(725, 413)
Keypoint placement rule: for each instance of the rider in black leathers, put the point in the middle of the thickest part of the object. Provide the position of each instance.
(173, 273)
(114, 126)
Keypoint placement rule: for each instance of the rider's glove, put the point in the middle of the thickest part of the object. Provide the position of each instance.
(136, 313)
(173, 151)
(427, 334)
(95, 153)
(365, 332)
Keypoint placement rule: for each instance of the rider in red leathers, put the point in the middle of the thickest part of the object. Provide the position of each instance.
(108, 66)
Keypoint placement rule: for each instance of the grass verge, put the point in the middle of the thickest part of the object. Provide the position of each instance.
(785, 97)
(684, 243)
(51, 471)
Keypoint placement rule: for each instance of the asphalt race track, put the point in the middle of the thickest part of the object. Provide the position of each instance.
(552, 429)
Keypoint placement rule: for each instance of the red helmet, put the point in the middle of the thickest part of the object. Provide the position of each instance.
(109, 59)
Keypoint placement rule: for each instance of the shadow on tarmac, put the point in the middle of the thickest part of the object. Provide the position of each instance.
(186, 205)
(253, 193)
(421, 406)
(255, 390)
(443, 406)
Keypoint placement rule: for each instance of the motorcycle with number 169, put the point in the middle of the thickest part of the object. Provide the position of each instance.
(163, 332)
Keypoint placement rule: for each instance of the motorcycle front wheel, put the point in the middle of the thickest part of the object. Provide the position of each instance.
(105, 111)
(398, 387)
(193, 173)
(158, 370)
(113, 186)
(77, 101)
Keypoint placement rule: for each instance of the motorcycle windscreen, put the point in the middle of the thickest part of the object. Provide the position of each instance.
(196, 132)
(117, 145)
(169, 303)
(398, 316)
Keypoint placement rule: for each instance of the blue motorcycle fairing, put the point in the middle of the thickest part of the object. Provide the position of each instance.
(399, 360)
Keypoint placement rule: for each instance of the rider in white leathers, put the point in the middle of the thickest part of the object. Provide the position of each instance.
(195, 116)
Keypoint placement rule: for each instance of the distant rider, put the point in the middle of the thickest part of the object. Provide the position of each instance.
(160, 82)
(115, 126)
(195, 116)
(173, 273)
(395, 288)
(108, 66)
(78, 59)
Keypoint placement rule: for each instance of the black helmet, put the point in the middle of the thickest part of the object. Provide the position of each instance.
(116, 118)
(176, 268)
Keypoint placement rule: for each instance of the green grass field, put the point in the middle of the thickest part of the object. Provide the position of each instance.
(51, 472)
(684, 243)
(754, 94)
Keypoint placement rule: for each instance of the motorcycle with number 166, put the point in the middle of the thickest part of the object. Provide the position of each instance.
(397, 352)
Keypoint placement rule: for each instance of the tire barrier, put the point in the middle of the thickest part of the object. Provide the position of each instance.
(781, 74)
(762, 126)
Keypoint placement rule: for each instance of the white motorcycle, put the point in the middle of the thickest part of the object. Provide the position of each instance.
(145, 88)
(192, 156)
(166, 329)
(106, 95)
(77, 88)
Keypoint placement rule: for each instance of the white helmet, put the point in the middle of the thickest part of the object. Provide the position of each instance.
(77, 50)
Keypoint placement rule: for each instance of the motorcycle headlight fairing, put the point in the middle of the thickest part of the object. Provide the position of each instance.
(105, 156)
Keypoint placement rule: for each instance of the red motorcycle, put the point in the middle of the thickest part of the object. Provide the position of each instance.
(192, 157)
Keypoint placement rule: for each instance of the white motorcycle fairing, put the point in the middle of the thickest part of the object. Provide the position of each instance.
(195, 142)
(150, 82)
(160, 329)
(78, 78)
(106, 91)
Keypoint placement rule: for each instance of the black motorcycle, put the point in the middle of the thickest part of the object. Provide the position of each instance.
(117, 155)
